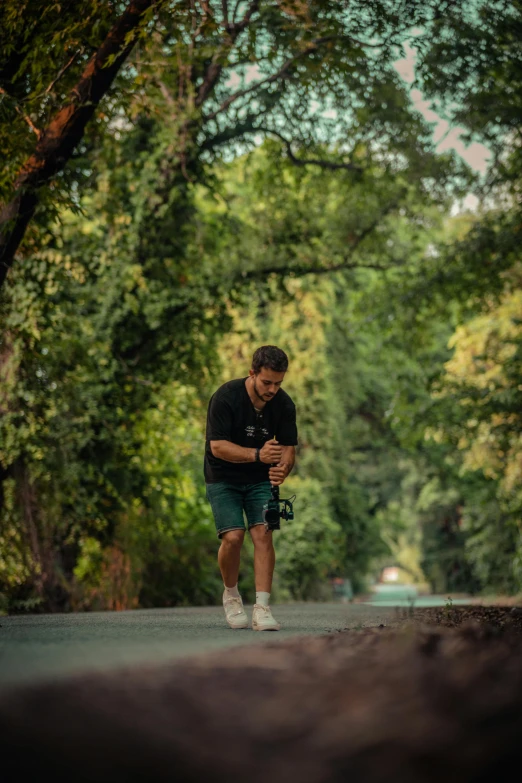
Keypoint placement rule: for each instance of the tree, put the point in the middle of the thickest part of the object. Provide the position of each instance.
(58, 140)
(469, 65)
(482, 379)
(132, 283)
(196, 66)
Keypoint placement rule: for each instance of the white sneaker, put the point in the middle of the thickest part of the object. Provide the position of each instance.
(262, 619)
(234, 612)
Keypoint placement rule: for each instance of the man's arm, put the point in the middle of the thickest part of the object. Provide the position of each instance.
(278, 474)
(288, 457)
(231, 452)
(224, 449)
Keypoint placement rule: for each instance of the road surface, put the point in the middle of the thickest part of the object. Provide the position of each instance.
(36, 647)
(39, 647)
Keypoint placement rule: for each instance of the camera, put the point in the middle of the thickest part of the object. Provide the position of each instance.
(276, 509)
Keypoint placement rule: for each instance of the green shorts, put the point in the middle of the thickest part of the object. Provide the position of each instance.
(231, 502)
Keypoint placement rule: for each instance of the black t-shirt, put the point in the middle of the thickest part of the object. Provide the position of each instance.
(231, 416)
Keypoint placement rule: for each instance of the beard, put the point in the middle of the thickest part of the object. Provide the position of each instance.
(261, 395)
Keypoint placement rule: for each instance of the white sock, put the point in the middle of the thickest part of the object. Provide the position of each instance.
(262, 598)
(231, 592)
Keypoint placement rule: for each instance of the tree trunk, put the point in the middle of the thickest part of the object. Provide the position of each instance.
(27, 504)
(65, 130)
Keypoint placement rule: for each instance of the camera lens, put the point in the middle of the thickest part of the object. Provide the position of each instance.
(271, 516)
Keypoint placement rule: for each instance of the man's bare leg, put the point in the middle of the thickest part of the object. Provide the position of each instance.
(264, 558)
(229, 556)
(264, 562)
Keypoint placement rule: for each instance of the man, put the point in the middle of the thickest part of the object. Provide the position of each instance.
(250, 445)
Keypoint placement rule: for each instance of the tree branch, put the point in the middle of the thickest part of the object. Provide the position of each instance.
(215, 68)
(66, 129)
(230, 133)
(169, 100)
(62, 70)
(207, 14)
(28, 120)
(324, 164)
(268, 79)
(234, 13)
(25, 117)
(302, 270)
(245, 21)
(194, 296)
(224, 8)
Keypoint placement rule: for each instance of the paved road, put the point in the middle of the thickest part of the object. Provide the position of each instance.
(48, 646)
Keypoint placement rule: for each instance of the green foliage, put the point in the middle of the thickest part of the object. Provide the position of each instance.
(175, 243)
(80, 369)
(341, 372)
(469, 65)
(44, 47)
(173, 542)
(307, 547)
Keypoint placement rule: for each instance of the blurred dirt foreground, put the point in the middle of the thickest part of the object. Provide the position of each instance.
(436, 696)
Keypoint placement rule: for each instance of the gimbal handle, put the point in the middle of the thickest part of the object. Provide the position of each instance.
(275, 487)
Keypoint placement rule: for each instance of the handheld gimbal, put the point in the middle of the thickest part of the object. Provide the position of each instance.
(272, 513)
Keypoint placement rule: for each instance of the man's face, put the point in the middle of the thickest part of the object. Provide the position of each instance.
(267, 383)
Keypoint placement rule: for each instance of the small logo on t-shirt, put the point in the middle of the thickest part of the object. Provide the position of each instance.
(256, 432)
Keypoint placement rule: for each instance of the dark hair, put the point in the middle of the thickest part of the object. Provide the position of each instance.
(270, 357)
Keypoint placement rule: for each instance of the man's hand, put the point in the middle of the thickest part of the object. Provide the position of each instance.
(271, 453)
(278, 474)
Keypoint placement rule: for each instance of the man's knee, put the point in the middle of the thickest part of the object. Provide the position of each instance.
(233, 539)
(261, 538)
